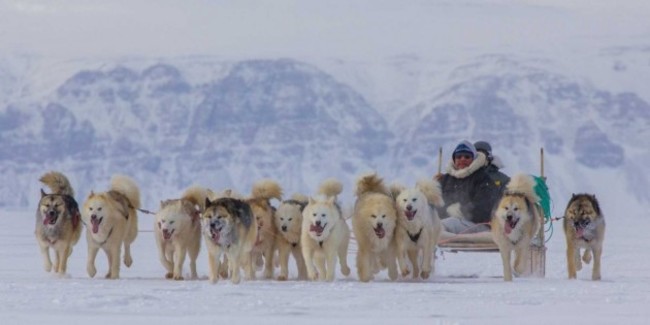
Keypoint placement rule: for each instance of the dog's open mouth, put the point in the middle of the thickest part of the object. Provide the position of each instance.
(581, 226)
(580, 233)
(50, 218)
(95, 223)
(410, 214)
(380, 231)
(318, 229)
(215, 234)
(167, 234)
(510, 224)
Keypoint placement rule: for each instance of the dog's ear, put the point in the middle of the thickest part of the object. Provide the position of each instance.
(207, 202)
(331, 200)
(42, 193)
(573, 195)
(311, 200)
(595, 204)
(92, 193)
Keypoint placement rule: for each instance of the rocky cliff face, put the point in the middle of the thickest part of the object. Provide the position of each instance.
(291, 121)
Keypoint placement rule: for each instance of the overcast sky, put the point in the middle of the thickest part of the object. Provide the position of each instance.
(354, 28)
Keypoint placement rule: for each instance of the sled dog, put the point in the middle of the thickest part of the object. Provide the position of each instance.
(213, 196)
(229, 228)
(111, 221)
(264, 249)
(516, 220)
(584, 228)
(418, 225)
(325, 235)
(288, 223)
(373, 221)
(57, 221)
(177, 228)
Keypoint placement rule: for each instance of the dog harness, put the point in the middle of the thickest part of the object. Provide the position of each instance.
(415, 237)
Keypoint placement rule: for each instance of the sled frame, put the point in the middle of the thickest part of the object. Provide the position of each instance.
(537, 260)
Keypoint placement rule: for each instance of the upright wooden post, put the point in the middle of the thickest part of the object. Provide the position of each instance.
(538, 247)
(439, 160)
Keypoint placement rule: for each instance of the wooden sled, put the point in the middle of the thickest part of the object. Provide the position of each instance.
(483, 243)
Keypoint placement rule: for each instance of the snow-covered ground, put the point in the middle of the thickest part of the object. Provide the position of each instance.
(466, 288)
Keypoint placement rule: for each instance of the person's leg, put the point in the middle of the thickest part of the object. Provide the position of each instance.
(455, 229)
(462, 226)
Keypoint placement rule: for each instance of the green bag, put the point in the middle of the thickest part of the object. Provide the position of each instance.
(544, 196)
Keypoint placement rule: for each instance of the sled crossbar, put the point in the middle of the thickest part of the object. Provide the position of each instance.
(456, 247)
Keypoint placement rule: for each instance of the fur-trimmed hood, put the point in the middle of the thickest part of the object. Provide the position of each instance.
(476, 164)
(496, 161)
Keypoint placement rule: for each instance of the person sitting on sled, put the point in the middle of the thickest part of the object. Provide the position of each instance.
(468, 192)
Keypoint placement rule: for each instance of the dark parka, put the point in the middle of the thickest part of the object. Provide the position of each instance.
(472, 188)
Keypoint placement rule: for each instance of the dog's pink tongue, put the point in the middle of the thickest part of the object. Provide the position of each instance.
(380, 232)
(47, 220)
(95, 225)
(410, 214)
(216, 235)
(508, 228)
(580, 232)
(315, 228)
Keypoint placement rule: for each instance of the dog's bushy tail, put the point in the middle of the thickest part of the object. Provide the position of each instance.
(127, 187)
(197, 195)
(330, 188)
(58, 183)
(266, 189)
(371, 183)
(395, 189)
(524, 184)
(431, 190)
(299, 198)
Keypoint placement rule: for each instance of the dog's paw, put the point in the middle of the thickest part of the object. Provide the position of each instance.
(282, 278)
(91, 271)
(47, 266)
(63, 275)
(392, 274)
(268, 274)
(128, 261)
(425, 275)
(169, 275)
(586, 257)
(405, 272)
(345, 270)
(178, 277)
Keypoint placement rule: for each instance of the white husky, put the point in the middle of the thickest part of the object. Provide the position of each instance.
(418, 225)
(515, 222)
(288, 222)
(325, 234)
(111, 221)
(178, 231)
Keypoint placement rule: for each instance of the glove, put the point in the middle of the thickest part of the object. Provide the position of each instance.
(454, 211)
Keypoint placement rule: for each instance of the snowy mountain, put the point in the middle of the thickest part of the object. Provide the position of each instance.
(225, 124)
